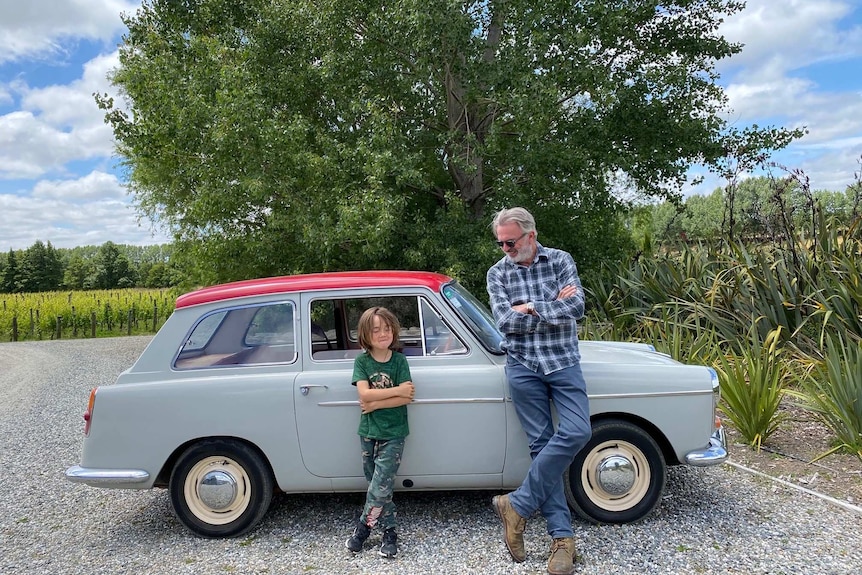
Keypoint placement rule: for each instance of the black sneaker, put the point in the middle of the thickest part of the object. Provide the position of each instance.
(389, 545)
(357, 540)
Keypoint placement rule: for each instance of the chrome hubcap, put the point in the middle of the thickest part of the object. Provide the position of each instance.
(616, 475)
(217, 490)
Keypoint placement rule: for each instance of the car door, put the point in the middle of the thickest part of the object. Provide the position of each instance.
(457, 419)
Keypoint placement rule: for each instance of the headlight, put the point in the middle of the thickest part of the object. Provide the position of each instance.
(716, 387)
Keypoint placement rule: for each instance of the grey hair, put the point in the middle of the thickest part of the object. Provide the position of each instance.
(520, 216)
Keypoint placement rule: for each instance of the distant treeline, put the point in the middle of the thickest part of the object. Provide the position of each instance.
(43, 268)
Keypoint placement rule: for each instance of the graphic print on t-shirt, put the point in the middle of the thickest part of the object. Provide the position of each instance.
(380, 380)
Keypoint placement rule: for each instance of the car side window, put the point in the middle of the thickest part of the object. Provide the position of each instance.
(249, 335)
(439, 337)
(423, 331)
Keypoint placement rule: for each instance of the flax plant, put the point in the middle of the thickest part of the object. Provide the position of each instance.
(838, 300)
(832, 390)
(752, 385)
(769, 294)
(675, 329)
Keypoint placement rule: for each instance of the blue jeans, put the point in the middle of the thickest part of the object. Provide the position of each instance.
(380, 461)
(552, 451)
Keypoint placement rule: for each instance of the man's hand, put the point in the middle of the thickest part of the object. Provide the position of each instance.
(522, 308)
(567, 292)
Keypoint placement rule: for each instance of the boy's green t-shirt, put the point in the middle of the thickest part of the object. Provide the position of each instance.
(390, 422)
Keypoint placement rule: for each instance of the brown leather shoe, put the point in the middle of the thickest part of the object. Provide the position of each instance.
(562, 559)
(513, 527)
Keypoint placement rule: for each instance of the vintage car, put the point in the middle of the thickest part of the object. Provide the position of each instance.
(246, 390)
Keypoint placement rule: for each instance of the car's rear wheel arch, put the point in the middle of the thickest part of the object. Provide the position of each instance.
(164, 476)
(220, 486)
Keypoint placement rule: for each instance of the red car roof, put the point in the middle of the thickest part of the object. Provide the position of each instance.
(320, 281)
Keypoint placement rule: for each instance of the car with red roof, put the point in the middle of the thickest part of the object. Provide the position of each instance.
(246, 391)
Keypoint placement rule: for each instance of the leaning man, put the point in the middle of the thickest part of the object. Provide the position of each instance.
(537, 298)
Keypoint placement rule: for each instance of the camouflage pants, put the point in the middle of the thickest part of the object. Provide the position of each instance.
(380, 461)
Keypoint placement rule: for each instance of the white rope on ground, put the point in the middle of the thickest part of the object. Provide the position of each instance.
(843, 504)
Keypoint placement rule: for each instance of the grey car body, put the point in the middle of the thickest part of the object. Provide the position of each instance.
(246, 390)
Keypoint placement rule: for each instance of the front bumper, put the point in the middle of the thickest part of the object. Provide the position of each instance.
(107, 477)
(714, 454)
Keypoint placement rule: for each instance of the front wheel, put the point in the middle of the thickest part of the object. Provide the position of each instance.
(619, 475)
(220, 488)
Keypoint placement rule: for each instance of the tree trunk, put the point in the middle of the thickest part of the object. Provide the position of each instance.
(469, 124)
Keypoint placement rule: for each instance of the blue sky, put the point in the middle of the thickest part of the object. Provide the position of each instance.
(59, 178)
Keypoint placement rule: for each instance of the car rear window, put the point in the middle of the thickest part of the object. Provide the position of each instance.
(246, 335)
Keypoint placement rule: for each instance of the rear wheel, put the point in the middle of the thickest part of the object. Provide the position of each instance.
(619, 475)
(220, 488)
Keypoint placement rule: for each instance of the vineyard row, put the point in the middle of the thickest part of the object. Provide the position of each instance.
(102, 313)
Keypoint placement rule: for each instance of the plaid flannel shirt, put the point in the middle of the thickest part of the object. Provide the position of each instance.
(548, 341)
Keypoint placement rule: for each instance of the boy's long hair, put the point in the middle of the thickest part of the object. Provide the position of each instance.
(365, 329)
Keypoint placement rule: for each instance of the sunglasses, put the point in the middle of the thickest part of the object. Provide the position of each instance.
(510, 243)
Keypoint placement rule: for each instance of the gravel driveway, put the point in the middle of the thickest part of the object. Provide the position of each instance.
(716, 520)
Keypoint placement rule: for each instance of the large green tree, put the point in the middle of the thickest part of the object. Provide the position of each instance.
(111, 269)
(277, 136)
(10, 282)
(41, 268)
(77, 271)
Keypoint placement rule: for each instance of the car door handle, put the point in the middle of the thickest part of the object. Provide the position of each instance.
(303, 389)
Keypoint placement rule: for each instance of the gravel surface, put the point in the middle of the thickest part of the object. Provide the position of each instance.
(718, 520)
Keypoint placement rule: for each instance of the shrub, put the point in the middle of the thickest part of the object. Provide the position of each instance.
(752, 385)
(832, 390)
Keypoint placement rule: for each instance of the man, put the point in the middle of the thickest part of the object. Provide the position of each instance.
(537, 298)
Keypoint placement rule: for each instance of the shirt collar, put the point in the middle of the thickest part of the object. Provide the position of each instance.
(541, 253)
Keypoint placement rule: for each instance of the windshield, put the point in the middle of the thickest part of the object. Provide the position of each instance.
(475, 315)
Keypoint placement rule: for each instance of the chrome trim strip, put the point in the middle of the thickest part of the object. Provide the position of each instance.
(654, 394)
(96, 477)
(422, 401)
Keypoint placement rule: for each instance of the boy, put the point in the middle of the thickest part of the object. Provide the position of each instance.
(382, 378)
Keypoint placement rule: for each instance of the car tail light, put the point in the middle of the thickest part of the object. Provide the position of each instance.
(88, 415)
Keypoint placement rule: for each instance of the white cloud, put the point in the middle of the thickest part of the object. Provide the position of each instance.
(94, 185)
(756, 100)
(30, 148)
(796, 103)
(41, 28)
(789, 35)
(57, 124)
(90, 210)
(779, 40)
(767, 84)
(73, 104)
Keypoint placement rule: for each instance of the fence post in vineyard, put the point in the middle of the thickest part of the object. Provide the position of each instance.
(32, 324)
(14, 328)
(93, 323)
(129, 327)
(59, 332)
(74, 324)
(155, 315)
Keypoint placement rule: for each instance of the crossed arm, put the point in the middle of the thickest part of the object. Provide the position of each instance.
(511, 318)
(373, 399)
